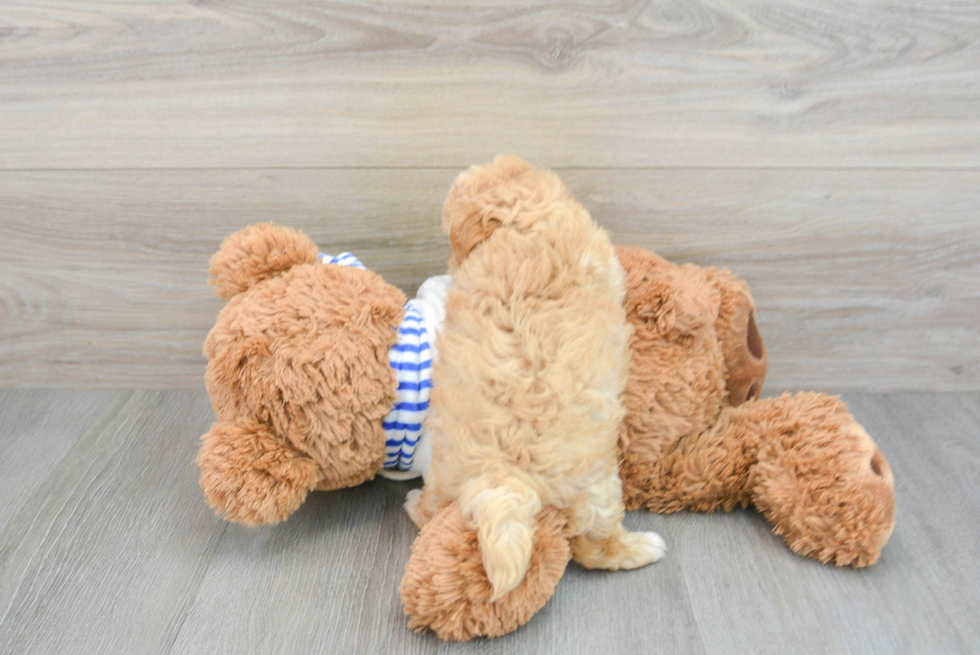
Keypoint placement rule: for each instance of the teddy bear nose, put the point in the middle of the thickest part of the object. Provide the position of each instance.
(746, 363)
(753, 339)
(878, 463)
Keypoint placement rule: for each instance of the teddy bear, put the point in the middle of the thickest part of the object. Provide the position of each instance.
(318, 373)
(306, 397)
(696, 435)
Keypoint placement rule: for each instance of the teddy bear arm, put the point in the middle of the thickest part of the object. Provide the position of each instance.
(822, 481)
(251, 476)
(810, 469)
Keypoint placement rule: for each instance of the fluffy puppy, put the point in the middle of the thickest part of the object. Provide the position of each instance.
(526, 409)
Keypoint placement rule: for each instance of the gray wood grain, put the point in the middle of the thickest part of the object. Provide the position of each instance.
(103, 275)
(751, 594)
(863, 281)
(37, 430)
(327, 580)
(627, 84)
(107, 554)
(939, 536)
(114, 552)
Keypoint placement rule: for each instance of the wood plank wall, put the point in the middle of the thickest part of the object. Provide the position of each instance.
(827, 151)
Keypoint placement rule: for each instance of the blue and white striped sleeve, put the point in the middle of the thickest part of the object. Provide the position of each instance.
(410, 358)
(343, 259)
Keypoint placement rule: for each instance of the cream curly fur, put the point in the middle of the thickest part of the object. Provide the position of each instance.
(526, 407)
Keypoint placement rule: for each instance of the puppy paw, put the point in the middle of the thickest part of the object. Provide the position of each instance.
(625, 550)
(642, 548)
(413, 503)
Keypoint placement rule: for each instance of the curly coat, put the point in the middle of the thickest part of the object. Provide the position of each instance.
(533, 356)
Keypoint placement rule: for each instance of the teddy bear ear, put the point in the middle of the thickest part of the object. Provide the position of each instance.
(681, 301)
(251, 477)
(257, 253)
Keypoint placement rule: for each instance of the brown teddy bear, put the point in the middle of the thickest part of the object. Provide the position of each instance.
(301, 380)
(298, 374)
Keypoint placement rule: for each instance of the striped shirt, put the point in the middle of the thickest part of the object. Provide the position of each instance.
(411, 359)
(343, 259)
(407, 446)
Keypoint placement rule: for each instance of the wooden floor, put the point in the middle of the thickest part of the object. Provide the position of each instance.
(106, 546)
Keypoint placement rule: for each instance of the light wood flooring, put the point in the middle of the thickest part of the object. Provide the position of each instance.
(106, 546)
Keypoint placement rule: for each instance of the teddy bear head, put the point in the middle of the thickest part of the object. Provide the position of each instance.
(696, 347)
(698, 436)
(297, 372)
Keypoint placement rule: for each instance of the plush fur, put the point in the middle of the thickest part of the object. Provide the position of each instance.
(298, 375)
(697, 437)
(533, 355)
(446, 587)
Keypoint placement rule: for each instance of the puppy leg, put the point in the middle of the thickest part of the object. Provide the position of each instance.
(423, 504)
(606, 544)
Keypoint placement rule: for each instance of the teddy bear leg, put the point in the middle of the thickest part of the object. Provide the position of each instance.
(802, 460)
(249, 476)
(446, 590)
(822, 481)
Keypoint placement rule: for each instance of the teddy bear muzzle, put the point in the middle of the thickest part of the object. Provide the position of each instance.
(747, 373)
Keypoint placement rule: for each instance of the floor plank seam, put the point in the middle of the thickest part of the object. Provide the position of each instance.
(112, 409)
(171, 641)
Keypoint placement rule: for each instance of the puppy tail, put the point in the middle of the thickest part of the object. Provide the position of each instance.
(505, 520)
